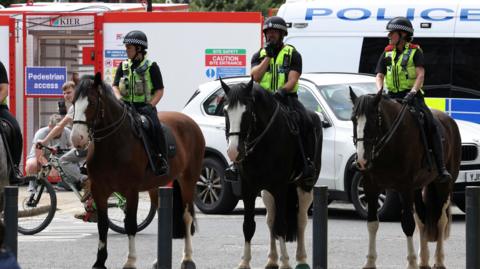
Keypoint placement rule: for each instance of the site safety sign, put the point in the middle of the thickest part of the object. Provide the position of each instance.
(225, 62)
(44, 80)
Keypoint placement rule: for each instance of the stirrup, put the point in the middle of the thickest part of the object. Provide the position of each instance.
(161, 166)
(444, 177)
(232, 174)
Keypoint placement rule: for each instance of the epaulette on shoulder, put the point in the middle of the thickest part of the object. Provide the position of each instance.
(414, 46)
(389, 47)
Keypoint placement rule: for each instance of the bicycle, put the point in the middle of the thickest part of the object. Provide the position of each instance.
(37, 206)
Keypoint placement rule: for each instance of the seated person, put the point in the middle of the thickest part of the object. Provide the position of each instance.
(36, 157)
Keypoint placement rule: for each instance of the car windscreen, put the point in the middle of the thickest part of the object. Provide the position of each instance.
(337, 96)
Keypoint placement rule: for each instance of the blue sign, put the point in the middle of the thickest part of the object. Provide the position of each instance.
(210, 73)
(223, 72)
(116, 54)
(44, 80)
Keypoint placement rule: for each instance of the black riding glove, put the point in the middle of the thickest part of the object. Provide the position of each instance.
(409, 97)
(270, 49)
(281, 93)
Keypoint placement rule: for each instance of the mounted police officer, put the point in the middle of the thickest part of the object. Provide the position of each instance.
(14, 143)
(138, 82)
(401, 69)
(277, 68)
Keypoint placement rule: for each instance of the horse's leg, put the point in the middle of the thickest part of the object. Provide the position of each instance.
(248, 229)
(442, 226)
(102, 226)
(187, 261)
(283, 253)
(304, 201)
(131, 228)
(408, 227)
(372, 225)
(419, 215)
(269, 202)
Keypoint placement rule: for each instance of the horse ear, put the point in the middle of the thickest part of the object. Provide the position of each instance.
(224, 86)
(98, 78)
(353, 96)
(378, 98)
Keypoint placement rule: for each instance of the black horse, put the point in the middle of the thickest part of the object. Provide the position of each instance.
(267, 153)
(392, 155)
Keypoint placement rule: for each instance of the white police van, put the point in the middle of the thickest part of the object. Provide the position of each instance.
(350, 35)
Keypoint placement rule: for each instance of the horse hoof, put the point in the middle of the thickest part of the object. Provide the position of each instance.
(425, 267)
(188, 265)
(129, 267)
(302, 266)
(271, 267)
(369, 267)
(439, 267)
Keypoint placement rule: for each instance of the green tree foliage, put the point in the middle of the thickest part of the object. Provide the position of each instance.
(235, 5)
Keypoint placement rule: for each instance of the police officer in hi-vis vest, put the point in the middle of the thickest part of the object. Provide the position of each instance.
(277, 68)
(138, 82)
(401, 69)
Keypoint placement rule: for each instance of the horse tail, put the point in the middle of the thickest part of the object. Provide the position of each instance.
(178, 223)
(436, 205)
(290, 216)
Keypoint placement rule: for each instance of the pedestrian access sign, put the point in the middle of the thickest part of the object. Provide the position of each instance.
(225, 62)
(44, 80)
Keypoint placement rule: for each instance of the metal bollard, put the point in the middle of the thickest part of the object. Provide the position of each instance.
(472, 220)
(164, 251)
(11, 218)
(320, 227)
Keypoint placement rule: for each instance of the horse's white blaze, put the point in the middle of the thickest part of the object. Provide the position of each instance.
(372, 244)
(235, 118)
(132, 253)
(361, 121)
(79, 135)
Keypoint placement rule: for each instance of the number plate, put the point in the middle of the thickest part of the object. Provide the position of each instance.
(471, 176)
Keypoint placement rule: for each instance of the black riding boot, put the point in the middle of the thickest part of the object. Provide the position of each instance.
(443, 175)
(308, 172)
(161, 162)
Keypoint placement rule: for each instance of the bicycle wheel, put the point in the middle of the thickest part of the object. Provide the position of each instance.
(36, 209)
(116, 212)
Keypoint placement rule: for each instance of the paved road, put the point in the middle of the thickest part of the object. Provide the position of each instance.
(69, 243)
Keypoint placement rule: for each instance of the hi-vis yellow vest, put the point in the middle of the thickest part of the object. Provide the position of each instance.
(401, 73)
(136, 87)
(277, 73)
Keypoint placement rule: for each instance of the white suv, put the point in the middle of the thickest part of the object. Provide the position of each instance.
(327, 94)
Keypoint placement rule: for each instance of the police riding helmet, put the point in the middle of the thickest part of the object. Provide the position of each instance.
(136, 38)
(400, 24)
(275, 22)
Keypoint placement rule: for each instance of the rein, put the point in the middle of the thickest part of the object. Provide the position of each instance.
(114, 126)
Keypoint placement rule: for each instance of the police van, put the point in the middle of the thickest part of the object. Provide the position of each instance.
(350, 35)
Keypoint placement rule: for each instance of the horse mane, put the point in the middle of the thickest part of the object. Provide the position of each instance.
(239, 95)
(87, 82)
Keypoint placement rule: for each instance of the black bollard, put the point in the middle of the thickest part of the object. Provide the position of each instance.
(320, 227)
(472, 220)
(11, 218)
(164, 251)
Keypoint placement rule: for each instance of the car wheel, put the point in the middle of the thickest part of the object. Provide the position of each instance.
(460, 203)
(388, 202)
(214, 195)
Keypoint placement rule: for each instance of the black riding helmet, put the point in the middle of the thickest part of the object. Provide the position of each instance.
(400, 24)
(275, 22)
(136, 38)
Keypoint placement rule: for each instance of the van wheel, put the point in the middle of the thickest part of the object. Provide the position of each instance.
(388, 202)
(214, 195)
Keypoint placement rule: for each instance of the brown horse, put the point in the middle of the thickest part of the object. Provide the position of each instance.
(117, 162)
(391, 151)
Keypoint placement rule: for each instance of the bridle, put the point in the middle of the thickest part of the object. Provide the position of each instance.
(249, 146)
(379, 143)
(95, 134)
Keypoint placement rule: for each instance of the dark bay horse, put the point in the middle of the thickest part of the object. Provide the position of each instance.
(267, 152)
(391, 152)
(117, 162)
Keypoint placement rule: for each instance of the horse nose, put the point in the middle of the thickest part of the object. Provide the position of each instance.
(232, 154)
(361, 164)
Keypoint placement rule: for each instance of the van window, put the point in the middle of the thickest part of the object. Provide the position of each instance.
(450, 64)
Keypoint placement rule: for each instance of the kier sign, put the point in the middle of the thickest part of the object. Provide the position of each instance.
(225, 57)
